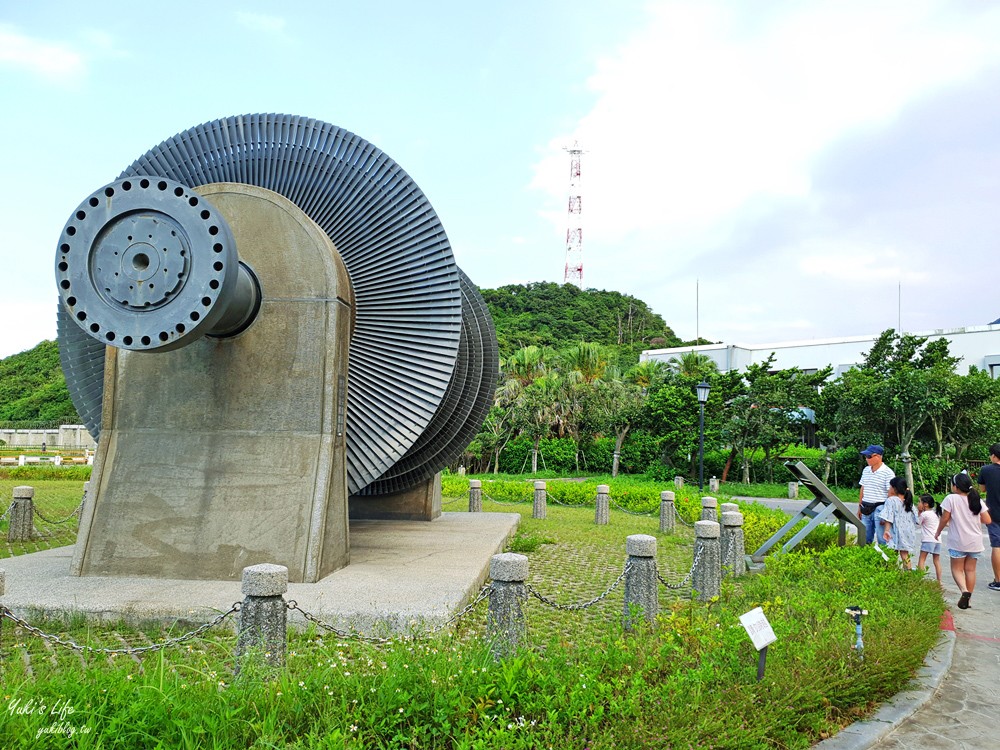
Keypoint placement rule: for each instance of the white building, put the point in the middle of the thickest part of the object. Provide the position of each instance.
(977, 345)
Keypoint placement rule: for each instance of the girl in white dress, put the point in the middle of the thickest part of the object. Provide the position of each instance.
(930, 514)
(900, 522)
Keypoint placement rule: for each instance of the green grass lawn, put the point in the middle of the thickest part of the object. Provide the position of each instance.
(687, 680)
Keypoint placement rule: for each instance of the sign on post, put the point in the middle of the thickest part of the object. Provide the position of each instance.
(761, 634)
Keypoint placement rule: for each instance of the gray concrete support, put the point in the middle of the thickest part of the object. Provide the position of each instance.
(667, 518)
(679, 482)
(707, 576)
(263, 629)
(793, 490)
(602, 509)
(538, 507)
(713, 484)
(475, 496)
(22, 515)
(505, 625)
(731, 543)
(641, 598)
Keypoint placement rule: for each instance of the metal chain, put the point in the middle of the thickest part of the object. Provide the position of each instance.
(7, 512)
(687, 579)
(680, 518)
(565, 505)
(502, 502)
(71, 516)
(4, 612)
(632, 512)
(583, 605)
(483, 594)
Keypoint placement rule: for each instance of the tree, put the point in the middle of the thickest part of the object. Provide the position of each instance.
(768, 410)
(693, 365)
(902, 384)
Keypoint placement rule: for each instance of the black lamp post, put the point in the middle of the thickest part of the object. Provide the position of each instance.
(703, 388)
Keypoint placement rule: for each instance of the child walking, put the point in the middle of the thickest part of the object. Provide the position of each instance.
(930, 513)
(965, 511)
(899, 519)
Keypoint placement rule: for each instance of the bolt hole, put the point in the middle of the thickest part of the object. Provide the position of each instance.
(193, 200)
(94, 202)
(81, 315)
(144, 183)
(127, 341)
(181, 328)
(178, 191)
(205, 214)
(94, 328)
(214, 283)
(145, 340)
(65, 282)
(70, 231)
(126, 185)
(140, 261)
(109, 191)
(213, 230)
(218, 265)
(164, 336)
(217, 247)
(81, 215)
(195, 315)
(71, 301)
(110, 335)
(64, 247)
(63, 266)
(161, 185)
(206, 301)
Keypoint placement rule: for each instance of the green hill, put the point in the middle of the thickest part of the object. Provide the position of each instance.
(32, 388)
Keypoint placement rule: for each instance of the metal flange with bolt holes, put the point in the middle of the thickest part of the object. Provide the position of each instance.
(146, 264)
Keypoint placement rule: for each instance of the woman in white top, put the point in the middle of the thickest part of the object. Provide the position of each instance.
(965, 511)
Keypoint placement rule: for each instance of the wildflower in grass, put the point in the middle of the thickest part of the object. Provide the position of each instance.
(354, 727)
(400, 710)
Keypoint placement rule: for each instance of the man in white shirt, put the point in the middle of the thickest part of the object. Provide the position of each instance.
(874, 490)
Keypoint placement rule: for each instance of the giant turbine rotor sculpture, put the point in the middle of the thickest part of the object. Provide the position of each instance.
(210, 296)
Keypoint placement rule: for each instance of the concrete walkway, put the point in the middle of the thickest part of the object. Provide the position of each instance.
(965, 710)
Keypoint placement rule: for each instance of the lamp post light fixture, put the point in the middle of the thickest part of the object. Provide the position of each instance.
(702, 388)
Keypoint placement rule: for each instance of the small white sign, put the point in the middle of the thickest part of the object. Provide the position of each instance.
(758, 628)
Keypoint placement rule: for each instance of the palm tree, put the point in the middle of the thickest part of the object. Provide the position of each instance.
(693, 364)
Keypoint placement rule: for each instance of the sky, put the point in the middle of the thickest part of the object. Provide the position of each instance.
(754, 172)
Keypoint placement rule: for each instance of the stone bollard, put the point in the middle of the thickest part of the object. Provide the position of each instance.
(461, 471)
(709, 509)
(263, 631)
(713, 484)
(793, 490)
(3, 581)
(505, 624)
(475, 496)
(667, 517)
(640, 580)
(22, 527)
(707, 576)
(21, 460)
(538, 507)
(57, 460)
(731, 547)
(728, 508)
(602, 509)
(679, 482)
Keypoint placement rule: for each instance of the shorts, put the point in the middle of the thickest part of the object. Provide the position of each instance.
(993, 529)
(933, 548)
(957, 554)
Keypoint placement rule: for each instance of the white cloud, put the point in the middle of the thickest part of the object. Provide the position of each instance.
(55, 61)
(702, 112)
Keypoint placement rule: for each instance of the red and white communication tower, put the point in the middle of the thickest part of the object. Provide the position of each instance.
(574, 225)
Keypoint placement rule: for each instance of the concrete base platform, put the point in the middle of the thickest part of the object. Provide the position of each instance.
(401, 573)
